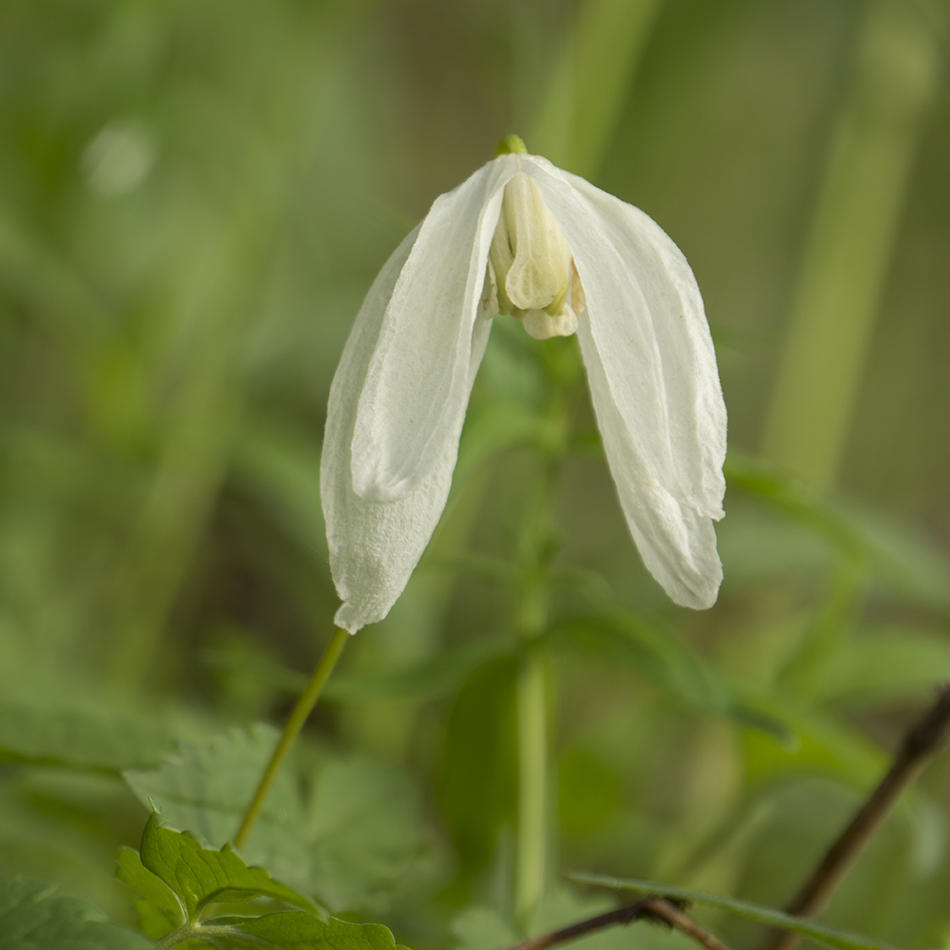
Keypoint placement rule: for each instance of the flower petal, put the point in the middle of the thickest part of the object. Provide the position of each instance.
(677, 543)
(647, 318)
(375, 547)
(418, 382)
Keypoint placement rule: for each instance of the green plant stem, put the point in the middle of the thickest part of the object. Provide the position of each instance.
(295, 723)
(532, 785)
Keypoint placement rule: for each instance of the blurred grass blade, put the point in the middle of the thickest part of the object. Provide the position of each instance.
(840, 939)
(590, 82)
(849, 249)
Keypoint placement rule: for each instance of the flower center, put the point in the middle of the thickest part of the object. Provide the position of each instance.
(531, 272)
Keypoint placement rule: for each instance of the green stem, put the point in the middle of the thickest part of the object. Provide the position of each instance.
(294, 724)
(532, 786)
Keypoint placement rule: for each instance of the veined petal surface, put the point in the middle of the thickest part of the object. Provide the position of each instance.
(418, 380)
(677, 543)
(374, 547)
(647, 319)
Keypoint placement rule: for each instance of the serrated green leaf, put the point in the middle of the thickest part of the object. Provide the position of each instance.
(841, 939)
(179, 881)
(80, 733)
(298, 931)
(363, 827)
(157, 907)
(204, 788)
(346, 843)
(202, 876)
(32, 916)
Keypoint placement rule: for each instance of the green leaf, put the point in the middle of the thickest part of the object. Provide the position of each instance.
(96, 736)
(668, 663)
(47, 716)
(347, 843)
(824, 745)
(477, 780)
(298, 931)
(885, 664)
(482, 928)
(206, 786)
(178, 881)
(195, 876)
(158, 909)
(893, 552)
(435, 677)
(363, 827)
(31, 916)
(841, 939)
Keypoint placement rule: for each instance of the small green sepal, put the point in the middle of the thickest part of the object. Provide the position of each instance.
(511, 145)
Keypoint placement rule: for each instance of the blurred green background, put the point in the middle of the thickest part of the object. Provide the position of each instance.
(194, 198)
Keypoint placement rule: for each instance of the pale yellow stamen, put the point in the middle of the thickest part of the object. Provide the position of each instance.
(531, 273)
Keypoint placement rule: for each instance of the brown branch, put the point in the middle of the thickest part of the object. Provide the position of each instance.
(924, 739)
(656, 909)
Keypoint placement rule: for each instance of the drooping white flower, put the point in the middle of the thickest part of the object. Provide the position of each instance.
(521, 236)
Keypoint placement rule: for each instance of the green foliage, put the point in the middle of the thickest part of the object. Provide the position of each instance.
(477, 781)
(659, 656)
(483, 928)
(167, 343)
(181, 885)
(32, 916)
(346, 842)
(194, 878)
(296, 931)
(896, 555)
(48, 716)
(761, 915)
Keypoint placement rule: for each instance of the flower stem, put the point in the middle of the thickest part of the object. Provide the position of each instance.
(532, 854)
(294, 724)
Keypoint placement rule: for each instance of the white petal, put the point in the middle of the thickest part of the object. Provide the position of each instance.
(375, 547)
(418, 382)
(677, 543)
(647, 318)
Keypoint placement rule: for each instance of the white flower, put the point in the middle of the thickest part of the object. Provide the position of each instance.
(521, 236)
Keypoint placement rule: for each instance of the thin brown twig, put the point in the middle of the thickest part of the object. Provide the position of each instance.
(656, 909)
(923, 740)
